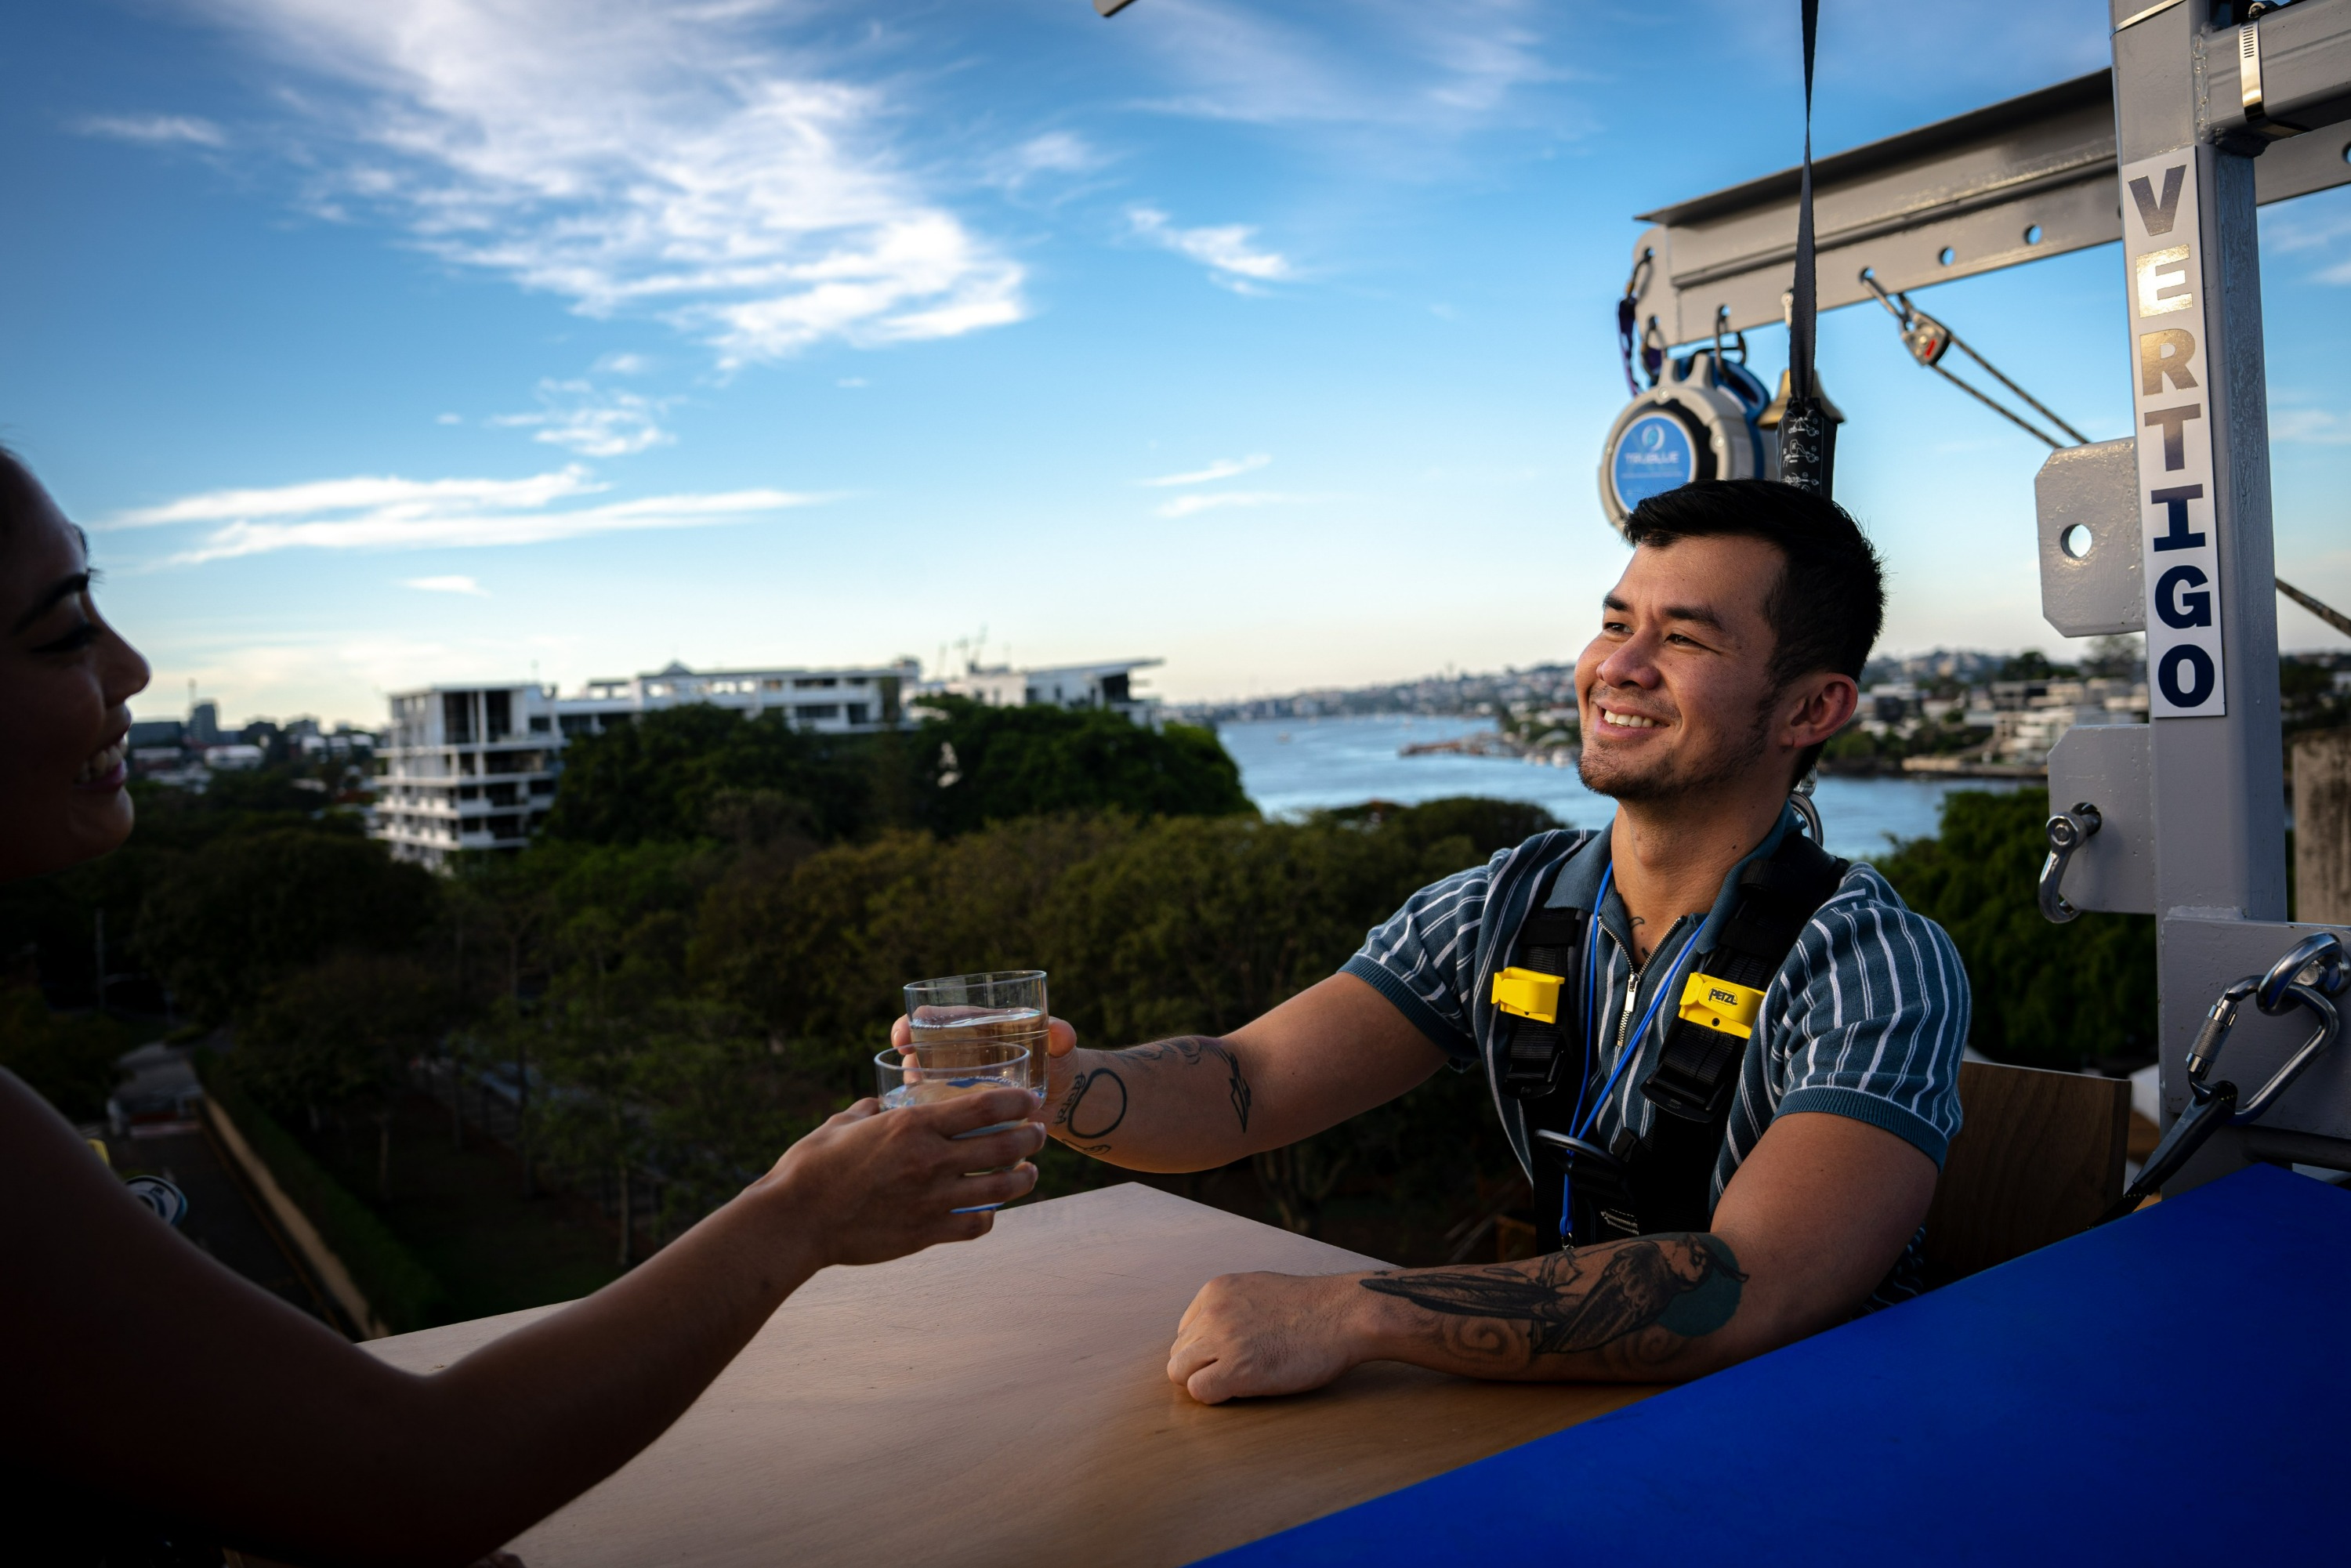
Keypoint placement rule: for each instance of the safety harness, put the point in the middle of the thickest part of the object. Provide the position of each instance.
(1665, 1180)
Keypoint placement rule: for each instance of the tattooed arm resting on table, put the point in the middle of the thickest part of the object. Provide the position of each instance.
(1814, 1217)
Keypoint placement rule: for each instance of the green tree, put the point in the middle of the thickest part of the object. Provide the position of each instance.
(979, 765)
(657, 779)
(246, 910)
(67, 1060)
(336, 1040)
(2045, 995)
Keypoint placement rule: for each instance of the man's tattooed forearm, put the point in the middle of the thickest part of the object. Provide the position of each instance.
(1094, 1106)
(1686, 1285)
(1193, 1050)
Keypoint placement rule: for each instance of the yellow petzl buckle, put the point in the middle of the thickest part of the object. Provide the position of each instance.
(1721, 1004)
(1528, 994)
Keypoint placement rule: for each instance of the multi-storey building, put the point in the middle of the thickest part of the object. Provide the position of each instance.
(466, 767)
(473, 767)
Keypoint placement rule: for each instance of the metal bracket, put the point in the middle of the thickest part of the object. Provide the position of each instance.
(2109, 763)
(2068, 832)
(2093, 581)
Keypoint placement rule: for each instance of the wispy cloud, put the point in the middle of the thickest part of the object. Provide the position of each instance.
(637, 157)
(1054, 153)
(1400, 63)
(1227, 251)
(465, 585)
(2310, 426)
(393, 514)
(1212, 500)
(155, 130)
(577, 416)
(1222, 468)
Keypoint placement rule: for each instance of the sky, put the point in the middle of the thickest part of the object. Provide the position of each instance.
(497, 339)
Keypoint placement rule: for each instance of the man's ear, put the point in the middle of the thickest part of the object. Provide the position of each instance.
(1816, 706)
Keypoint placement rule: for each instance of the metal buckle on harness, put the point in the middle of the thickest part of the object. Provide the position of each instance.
(1600, 1183)
(1528, 994)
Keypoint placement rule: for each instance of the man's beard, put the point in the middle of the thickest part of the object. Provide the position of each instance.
(1670, 778)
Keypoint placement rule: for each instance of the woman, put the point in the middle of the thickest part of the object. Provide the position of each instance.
(307, 1447)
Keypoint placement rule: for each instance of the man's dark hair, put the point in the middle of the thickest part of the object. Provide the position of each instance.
(1829, 604)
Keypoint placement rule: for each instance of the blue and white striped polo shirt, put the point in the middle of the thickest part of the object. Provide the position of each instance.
(1866, 1018)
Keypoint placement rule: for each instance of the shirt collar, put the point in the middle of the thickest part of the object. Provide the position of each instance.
(1578, 884)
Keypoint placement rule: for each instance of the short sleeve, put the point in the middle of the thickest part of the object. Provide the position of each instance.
(1877, 1015)
(1423, 957)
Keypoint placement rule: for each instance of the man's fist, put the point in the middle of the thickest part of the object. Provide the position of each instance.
(1250, 1334)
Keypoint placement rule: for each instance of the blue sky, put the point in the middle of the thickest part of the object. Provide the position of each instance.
(380, 345)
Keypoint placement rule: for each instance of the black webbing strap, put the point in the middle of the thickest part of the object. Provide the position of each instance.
(1671, 1171)
(1807, 435)
(1548, 944)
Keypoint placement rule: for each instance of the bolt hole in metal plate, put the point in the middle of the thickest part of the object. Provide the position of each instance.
(1947, 256)
(2032, 235)
(2076, 542)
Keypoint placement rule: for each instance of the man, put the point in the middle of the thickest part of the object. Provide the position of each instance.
(1728, 1183)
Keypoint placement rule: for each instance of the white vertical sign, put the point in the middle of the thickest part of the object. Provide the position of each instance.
(2172, 420)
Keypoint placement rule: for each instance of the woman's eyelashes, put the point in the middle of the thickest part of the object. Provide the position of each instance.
(73, 641)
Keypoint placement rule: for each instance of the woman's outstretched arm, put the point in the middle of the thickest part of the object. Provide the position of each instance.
(316, 1451)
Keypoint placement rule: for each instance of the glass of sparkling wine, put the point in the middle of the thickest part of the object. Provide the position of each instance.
(1004, 1006)
(927, 1074)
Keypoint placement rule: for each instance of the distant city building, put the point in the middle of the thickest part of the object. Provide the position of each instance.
(1107, 686)
(473, 767)
(203, 724)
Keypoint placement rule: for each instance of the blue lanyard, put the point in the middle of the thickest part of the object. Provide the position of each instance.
(1580, 1120)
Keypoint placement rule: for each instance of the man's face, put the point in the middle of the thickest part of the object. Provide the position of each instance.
(1675, 693)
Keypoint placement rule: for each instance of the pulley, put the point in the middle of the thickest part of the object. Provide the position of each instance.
(1698, 422)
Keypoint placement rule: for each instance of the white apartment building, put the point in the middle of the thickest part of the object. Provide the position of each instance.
(473, 767)
(465, 767)
(1108, 685)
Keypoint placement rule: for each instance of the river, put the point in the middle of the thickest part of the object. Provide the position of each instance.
(1290, 766)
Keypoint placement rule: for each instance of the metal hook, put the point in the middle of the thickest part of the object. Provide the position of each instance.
(2308, 975)
(1801, 797)
(2068, 832)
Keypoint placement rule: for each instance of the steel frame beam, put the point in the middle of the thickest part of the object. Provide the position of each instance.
(2031, 177)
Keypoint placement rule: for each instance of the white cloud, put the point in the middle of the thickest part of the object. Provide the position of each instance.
(1400, 64)
(624, 364)
(155, 130)
(2311, 426)
(448, 419)
(577, 416)
(633, 157)
(1222, 468)
(1054, 153)
(389, 514)
(850, 381)
(465, 585)
(1227, 251)
(1185, 506)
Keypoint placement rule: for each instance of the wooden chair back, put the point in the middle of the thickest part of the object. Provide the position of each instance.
(2038, 1159)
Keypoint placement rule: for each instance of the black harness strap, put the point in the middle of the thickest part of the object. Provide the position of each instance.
(1548, 944)
(1664, 1181)
(1697, 1076)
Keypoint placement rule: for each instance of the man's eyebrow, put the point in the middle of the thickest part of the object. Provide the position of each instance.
(63, 589)
(1698, 613)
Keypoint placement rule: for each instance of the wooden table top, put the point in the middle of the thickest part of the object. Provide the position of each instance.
(989, 1402)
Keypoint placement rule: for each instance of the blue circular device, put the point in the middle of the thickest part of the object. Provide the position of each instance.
(1653, 455)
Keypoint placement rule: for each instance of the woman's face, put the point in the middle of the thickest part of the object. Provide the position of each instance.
(64, 681)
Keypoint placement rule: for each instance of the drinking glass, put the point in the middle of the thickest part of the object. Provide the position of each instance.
(1006, 1006)
(927, 1073)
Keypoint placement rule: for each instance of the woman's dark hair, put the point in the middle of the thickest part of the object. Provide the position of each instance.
(20, 494)
(1829, 604)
